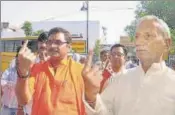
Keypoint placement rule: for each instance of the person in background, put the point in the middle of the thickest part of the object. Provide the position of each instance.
(130, 64)
(8, 81)
(117, 60)
(104, 59)
(83, 59)
(173, 66)
(42, 47)
(76, 57)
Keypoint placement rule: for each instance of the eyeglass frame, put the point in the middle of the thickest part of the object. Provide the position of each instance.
(116, 54)
(59, 44)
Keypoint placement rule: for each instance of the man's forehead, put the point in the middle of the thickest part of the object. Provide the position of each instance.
(57, 36)
(148, 25)
(118, 49)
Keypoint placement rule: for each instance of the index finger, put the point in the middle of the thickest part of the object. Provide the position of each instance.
(24, 46)
(25, 43)
(88, 62)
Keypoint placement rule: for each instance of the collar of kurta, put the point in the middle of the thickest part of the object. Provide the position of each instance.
(122, 71)
(155, 67)
(64, 61)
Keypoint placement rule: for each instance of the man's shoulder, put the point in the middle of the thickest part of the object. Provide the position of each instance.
(131, 71)
(77, 65)
(129, 74)
(171, 74)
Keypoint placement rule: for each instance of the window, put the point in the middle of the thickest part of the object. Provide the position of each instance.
(8, 46)
(12, 45)
(1, 46)
(17, 44)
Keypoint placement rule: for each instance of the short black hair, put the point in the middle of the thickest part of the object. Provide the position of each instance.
(103, 52)
(43, 37)
(66, 33)
(120, 45)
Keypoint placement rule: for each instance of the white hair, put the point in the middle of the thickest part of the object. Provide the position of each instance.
(164, 27)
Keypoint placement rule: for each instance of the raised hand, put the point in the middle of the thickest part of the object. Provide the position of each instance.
(25, 59)
(92, 76)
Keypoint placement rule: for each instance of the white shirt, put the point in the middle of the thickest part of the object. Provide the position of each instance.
(8, 82)
(116, 75)
(137, 93)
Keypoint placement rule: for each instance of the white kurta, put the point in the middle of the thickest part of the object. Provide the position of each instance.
(137, 93)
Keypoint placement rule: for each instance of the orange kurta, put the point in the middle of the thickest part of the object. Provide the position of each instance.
(59, 94)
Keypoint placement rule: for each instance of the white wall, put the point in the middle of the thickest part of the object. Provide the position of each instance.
(7, 33)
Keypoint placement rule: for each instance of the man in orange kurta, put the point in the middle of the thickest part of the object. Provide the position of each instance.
(56, 86)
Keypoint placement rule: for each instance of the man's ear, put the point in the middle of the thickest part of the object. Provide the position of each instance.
(126, 58)
(69, 46)
(168, 43)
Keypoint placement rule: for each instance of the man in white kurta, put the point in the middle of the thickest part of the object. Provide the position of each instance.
(148, 89)
(137, 93)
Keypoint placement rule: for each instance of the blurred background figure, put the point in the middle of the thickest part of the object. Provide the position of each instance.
(173, 66)
(83, 59)
(104, 59)
(8, 81)
(42, 49)
(131, 63)
(76, 57)
(115, 66)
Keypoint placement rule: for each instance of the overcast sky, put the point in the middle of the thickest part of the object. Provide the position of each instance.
(114, 15)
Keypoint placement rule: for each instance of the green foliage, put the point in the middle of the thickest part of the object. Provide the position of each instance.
(27, 27)
(97, 48)
(162, 9)
(37, 33)
(130, 29)
(173, 37)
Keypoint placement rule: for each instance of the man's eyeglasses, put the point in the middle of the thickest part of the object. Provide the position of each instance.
(56, 42)
(117, 54)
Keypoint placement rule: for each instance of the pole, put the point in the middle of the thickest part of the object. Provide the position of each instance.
(87, 26)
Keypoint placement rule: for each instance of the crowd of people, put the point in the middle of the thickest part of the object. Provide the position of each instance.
(54, 83)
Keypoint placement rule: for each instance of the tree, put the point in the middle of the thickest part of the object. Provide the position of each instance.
(27, 27)
(173, 35)
(97, 48)
(130, 29)
(38, 32)
(162, 9)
